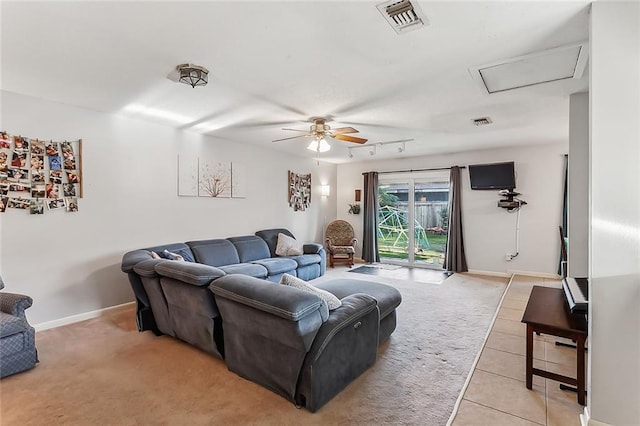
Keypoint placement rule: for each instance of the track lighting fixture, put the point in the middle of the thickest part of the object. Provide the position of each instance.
(373, 148)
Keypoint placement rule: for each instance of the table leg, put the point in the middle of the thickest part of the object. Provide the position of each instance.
(529, 358)
(580, 374)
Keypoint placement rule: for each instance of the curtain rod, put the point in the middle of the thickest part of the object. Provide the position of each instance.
(419, 170)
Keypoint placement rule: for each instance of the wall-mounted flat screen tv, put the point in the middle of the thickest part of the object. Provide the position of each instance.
(493, 176)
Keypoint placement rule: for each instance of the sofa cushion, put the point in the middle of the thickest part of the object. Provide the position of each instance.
(388, 297)
(312, 248)
(270, 236)
(219, 252)
(306, 259)
(132, 258)
(251, 269)
(288, 246)
(332, 301)
(196, 274)
(343, 249)
(277, 265)
(146, 268)
(250, 248)
(10, 324)
(287, 303)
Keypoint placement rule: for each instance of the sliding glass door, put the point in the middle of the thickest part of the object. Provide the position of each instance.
(413, 218)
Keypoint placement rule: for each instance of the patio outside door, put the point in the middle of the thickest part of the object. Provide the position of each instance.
(413, 218)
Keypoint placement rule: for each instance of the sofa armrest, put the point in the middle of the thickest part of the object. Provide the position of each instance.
(196, 274)
(353, 308)
(130, 259)
(14, 304)
(276, 299)
(312, 248)
(345, 346)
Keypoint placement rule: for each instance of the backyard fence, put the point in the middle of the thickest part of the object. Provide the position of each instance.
(429, 213)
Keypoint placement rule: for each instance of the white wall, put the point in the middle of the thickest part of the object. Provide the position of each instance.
(489, 231)
(69, 263)
(578, 196)
(614, 317)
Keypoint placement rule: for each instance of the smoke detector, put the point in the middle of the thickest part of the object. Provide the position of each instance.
(403, 16)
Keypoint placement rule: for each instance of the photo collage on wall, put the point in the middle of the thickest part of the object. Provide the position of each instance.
(36, 174)
(299, 191)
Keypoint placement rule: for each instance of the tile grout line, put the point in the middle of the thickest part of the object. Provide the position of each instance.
(456, 406)
(505, 412)
(506, 377)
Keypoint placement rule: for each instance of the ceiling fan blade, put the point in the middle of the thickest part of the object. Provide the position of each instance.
(349, 138)
(296, 130)
(292, 137)
(344, 130)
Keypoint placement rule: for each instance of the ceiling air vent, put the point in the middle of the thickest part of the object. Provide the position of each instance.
(482, 121)
(402, 15)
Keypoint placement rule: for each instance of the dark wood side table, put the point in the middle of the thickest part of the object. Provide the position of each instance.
(547, 313)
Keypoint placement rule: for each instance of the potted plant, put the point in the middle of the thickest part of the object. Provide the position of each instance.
(354, 208)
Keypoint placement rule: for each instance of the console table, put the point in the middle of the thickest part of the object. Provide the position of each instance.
(547, 312)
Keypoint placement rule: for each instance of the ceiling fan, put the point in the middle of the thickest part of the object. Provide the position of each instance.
(319, 130)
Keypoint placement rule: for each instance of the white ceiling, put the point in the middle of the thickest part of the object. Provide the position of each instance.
(276, 64)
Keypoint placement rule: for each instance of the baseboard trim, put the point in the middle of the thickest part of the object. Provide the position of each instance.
(534, 274)
(475, 361)
(489, 273)
(79, 317)
(586, 420)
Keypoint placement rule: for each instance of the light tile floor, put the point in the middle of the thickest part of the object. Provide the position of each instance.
(497, 394)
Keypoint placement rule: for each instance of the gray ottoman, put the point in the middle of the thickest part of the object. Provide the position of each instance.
(388, 298)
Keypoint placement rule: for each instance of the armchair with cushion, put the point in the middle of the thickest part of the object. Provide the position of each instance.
(341, 242)
(17, 337)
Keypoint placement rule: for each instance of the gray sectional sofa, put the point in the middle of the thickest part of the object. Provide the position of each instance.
(281, 337)
(252, 255)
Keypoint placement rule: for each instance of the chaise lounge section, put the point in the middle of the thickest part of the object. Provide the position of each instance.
(287, 340)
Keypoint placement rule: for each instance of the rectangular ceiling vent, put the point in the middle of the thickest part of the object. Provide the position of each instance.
(546, 66)
(482, 121)
(403, 16)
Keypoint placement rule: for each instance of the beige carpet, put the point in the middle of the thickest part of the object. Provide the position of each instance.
(102, 371)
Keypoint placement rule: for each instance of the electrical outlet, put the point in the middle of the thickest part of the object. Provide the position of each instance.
(508, 257)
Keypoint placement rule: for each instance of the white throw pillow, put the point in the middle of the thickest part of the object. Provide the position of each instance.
(173, 256)
(288, 246)
(332, 301)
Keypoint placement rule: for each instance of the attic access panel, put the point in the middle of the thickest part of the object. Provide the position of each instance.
(541, 67)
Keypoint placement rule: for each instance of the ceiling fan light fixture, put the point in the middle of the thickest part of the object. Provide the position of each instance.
(319, 145)
(193, 75)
